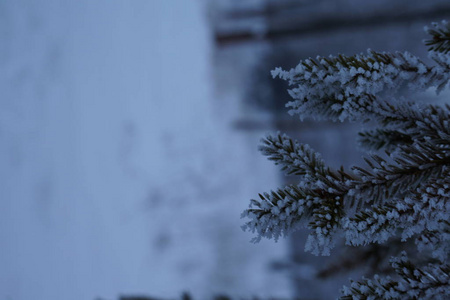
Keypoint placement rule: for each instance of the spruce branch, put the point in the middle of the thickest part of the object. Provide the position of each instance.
(403, 197)
(279, 212)
(295, 158)
(436, 242)
(440, 37)
(412, 282)
(325, 223)
(423, 214)
(421, 122)
(341, 87)
(323, 193)
(383, 138)
(404, 123)
(373, 259)
(301, 159)
(412, 166)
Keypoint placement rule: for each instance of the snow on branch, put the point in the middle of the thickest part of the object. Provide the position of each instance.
(381, 138)
(343, 87)
(403, 196)
(411, 167)
(300, 159)
(429, 282)
(322, 193)
(440, 37)
(279, 212)
(422, 214)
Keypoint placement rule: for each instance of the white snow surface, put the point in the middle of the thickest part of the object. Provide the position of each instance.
(120, 174)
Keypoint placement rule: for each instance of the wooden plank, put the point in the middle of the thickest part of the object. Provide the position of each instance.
(291, 25)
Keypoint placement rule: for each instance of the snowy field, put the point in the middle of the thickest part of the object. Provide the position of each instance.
(120, 173)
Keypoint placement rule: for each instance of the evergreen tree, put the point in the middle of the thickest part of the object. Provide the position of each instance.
(401, 196)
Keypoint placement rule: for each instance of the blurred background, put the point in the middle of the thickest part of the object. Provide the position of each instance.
(129, 134)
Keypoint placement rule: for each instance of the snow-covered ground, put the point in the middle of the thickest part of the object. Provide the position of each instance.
(119, 173)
